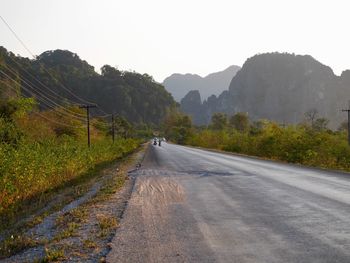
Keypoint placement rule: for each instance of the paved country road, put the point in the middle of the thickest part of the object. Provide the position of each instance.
(191, 205)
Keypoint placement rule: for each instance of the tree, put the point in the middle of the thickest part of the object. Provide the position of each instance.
(311, 115)
(240, 121)
(137, 97)
(123, 127)
(320, 124)
(178, 127)
(219, 121)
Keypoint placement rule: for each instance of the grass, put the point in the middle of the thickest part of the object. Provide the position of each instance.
(52, 255)
(32, 170)
(68, 223)
(88, 243)
(16, 243)
(110, 187)
(51, 199)
(76, 215)
(69, 231)
(106, 224)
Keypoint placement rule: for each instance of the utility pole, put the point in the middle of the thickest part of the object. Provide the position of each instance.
(348, 110)
(113, 128)
(87, 107)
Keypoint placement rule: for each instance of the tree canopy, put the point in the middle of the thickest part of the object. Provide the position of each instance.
(134, 96)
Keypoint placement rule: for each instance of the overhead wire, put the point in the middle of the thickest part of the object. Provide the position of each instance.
(41, 115)
(45, 101)
(44, 96)
(106, 125)
(42, 100)
(42, 84)
(31, 53)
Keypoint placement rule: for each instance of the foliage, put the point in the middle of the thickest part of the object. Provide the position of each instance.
(218, 121)
(37, 156)
(240, 121)
(178, 127)
(122, 127)
(9, 132)
(33, 168)
(136, 97)
(320, 124)
(303, 144)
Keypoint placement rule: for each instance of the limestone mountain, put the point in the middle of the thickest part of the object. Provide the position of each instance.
(180, 84)
(192, 105)
(282, 87)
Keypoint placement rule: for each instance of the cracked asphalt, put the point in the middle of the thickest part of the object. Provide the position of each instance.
(192, 205)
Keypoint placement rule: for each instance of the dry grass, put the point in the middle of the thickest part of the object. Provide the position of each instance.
(88, 243)
(16, 243)
(52, 255)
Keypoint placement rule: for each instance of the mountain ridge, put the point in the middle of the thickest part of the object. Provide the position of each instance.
(179, 84)
(282, 87)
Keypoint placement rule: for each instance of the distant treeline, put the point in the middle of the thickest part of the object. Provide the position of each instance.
(308, 143)
(137, 97)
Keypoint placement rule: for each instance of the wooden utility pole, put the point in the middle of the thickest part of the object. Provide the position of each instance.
(87, 107)
(348, 110)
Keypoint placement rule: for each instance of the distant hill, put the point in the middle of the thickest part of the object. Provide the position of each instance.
(282, 87)
(132, 95)
(180, 84)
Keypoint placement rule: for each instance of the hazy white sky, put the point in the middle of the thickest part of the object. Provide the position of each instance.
(161, 37)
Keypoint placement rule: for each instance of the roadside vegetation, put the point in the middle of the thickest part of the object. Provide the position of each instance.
(38, 156)
(309, 143)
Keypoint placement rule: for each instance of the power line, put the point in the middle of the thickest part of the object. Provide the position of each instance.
(49, 103)
(68, 90)
(16, 36)
(26, 48)
(62, 115)
(44, 96)
(44, 117)
(56, 122)
(41, 100)
(43, 85)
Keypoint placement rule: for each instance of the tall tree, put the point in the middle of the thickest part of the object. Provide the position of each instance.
(240, 121)
(219, 121)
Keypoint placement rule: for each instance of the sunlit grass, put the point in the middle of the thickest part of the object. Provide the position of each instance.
(32, 169)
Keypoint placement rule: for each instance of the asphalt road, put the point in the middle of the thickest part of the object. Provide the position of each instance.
(191, 205)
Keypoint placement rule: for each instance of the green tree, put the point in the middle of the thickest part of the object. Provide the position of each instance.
(219, 121)
(320, 124)
(122, 127)
(240, 121)
(311, 116)
(178, 127)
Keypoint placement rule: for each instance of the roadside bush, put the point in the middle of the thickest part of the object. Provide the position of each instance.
(295, 143)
